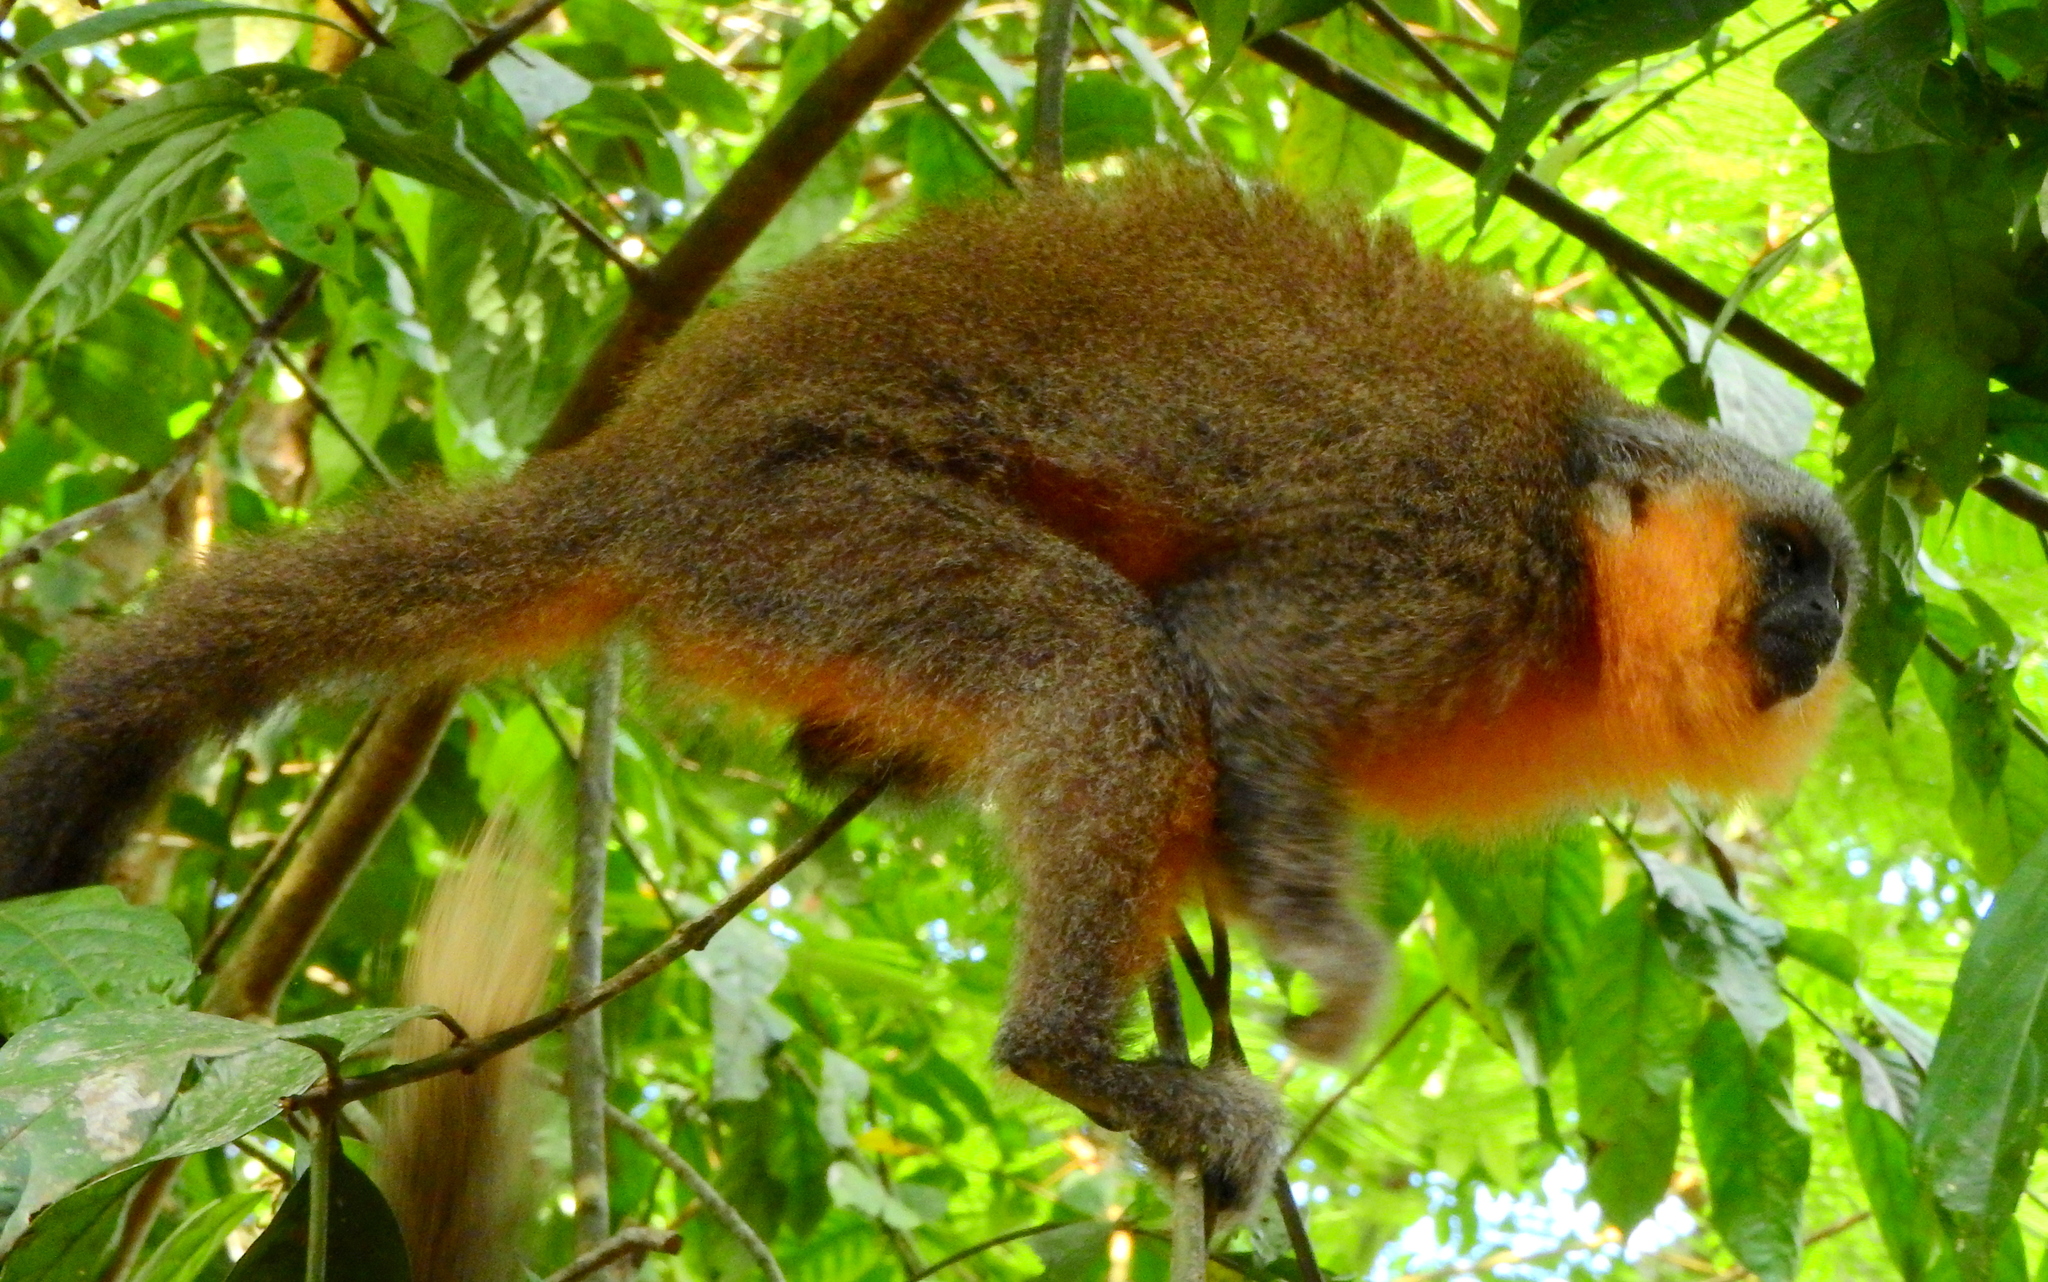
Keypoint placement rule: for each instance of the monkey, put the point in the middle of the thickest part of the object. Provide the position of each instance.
(1174, 518)
(453, 1158)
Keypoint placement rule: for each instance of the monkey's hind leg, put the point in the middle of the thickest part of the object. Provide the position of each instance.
(918, 618)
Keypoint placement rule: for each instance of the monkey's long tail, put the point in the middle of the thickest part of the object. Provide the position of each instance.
(454, 1160)
(441, 585)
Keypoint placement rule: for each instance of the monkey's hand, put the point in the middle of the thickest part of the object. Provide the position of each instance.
(1221, 1120)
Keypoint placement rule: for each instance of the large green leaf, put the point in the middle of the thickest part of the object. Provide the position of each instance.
(197, 1240)
(86, 950)
(363, 1242)
(69, 1242)
(1999, 800)
(1632, 1058)
(1564, 44)
(299, 185)
(1929, 230)
(1980, 1111)
(85, 1096)
(146, 205)
(1859, 82)
(1329, 148)
(140, 17)
(1900, 1204)
(1719, 943)
(172, 109)
(400, 117)
(1753, 1144)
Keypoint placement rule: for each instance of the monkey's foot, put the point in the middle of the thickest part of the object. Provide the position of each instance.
(1224, 1122)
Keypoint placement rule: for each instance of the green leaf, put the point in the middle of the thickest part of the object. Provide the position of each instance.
(1891, 617)
(93, 382)
(192, 1246)
(1980, 1110)
(363, 1241)
(1999, 802)
(86, 950)
(402, 118)
(1917, 1043)
(1714, 940)
(1105, 116)
(742, 965)
(702, 90)
(139, 17)
(1224, 22)
(1929, 231)
(173, 109)
(2019, 426)
(85, 1096)
(944, 168)
(69, 1242)
(1900, 1204)
(1826, 951)
(1632, 1060)
(1753, 1144)
(515, 306)
(537, 83)
(300, 186)
(1859, 82)
(1564, 44)
(171, 185)
(1329, 148)
(1528, 912)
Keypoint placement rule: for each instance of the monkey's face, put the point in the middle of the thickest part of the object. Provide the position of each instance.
(1802, 594)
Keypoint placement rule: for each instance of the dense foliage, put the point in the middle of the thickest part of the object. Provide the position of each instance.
(1676, 1041)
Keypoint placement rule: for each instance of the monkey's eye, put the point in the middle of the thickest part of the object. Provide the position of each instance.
(1782, 551)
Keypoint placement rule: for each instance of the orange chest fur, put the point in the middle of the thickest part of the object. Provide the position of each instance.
(1660, 688)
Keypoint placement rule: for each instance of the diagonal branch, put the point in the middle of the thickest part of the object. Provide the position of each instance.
(189, 450)
(687, 938)
(721, 1209)
(815, 123)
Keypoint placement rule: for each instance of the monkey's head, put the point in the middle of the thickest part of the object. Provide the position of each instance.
(1718, 585)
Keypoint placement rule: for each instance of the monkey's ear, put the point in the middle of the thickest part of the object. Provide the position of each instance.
(1625, 452)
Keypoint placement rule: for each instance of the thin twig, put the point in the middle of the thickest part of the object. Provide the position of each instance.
(309, 386)
(636, 275)
(190, 449)
(992, 162)
(1954, 663)
(1422, 53)
(363, 23)
(1842, 1225)
(1365, 1070)
(248, 1148)
(721, 1209)
(287, 841)
(500, 38)
(1667, 277)
(1168, 1027)
(33, 73)
(1666, 97)
(969, 1252)
(633, 1244)
(1054, 48)
(687, 938)
(1297, 1230)
(585, 1074)
(393, 757)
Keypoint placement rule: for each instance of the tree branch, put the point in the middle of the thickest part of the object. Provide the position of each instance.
(392, 759)
(1054, 48)
(584, 1076)
(1422, 53)
(815, 123)
(687, 938)
(633, 1244)
(166, 478)
(499, 38)
(721, 1209)
(1365, 1070)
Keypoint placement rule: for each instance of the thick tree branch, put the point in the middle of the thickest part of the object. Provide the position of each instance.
(390, 762)
(815, 123)
(685, 939)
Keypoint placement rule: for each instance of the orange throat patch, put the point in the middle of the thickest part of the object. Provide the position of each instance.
(1661, 691)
